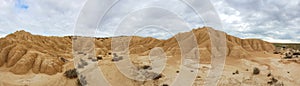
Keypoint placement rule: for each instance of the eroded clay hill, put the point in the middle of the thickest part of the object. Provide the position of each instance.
(22, 52)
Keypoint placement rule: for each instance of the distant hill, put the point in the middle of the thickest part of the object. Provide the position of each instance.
(22, 52)
(288, 45)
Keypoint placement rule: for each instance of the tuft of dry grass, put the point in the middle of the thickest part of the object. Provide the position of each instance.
(71, 74)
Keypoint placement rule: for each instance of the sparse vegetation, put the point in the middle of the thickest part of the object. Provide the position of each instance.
(296, 53)
(236, 72)
(63, 59)
(81, 81)
(165, 85)
(288, 45)
(276, 52)
(82, 64)
(71, 74)
(288, 56)
(151, 75)
(99, 58)
(116, 57)
(157, 76)
(78, 83)
(256, 71)
(147, 67)
(273, 81)
(269, 75)
(80, 52)
(94, 60)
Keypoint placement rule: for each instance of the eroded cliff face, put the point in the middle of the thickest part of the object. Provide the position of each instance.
(22, 52)
(242, 47)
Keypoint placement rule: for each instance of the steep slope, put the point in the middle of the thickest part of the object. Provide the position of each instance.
(22, 52)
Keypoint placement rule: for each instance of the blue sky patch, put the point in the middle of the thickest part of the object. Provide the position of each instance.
(21, 4)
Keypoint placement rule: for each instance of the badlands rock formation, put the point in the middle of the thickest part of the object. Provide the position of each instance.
(22, 52)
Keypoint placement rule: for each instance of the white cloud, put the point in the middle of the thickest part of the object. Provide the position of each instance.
(135, 14)
(46, 17)
(271, 20)
(261, 19)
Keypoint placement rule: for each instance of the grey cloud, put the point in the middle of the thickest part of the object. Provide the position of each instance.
(271, 20)
(45, 17)
(260, 17)
(115, 16)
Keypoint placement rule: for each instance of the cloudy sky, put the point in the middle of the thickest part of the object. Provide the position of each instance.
(270, 20)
